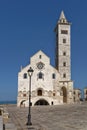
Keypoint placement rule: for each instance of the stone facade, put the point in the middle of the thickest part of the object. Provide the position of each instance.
(85, 94)
(49, 85)
(77, 95)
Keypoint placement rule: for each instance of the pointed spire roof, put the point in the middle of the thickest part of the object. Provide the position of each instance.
(62, 18)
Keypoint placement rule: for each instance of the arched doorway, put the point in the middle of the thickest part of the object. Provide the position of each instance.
(41, 102)
(64, 91)
(22, 103)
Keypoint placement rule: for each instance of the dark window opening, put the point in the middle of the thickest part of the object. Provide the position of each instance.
(51, 103)
(40, 56)
(64, 31)
(53, 94)
(40, 75)
(64, 64)
(64, 75)
(25, 75)
(64, 40)
(53, 76)
(24, 95)
(39, 92)
(64, 53)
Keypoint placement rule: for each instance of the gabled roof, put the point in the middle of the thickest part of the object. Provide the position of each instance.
(40, 52)
(39, 56)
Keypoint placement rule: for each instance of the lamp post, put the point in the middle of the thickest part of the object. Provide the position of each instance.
(30, 72)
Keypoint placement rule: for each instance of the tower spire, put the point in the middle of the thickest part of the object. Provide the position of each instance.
(62, 18)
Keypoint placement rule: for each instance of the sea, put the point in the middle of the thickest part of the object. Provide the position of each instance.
(8, 102)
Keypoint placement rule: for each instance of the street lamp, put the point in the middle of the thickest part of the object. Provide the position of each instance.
(30, 72)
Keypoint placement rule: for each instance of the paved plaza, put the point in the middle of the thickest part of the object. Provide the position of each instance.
(62, 117)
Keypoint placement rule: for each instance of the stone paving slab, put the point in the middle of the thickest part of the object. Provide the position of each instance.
(62, 117)
(1, 123)
(10, 126)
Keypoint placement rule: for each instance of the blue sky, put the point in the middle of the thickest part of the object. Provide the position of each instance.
(27, 26)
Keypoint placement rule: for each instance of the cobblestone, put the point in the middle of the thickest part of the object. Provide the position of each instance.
(62, 117)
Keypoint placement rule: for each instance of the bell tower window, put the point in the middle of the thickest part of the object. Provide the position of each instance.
(64, 53)
(64, 64)
(64, 40)
(64, 31)
(64, 75)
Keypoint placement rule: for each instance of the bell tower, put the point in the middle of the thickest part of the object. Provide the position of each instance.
(62, 59)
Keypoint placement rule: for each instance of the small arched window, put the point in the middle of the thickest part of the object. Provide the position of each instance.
(53, 76)
(39, 92)
(40, 56)
(25, 76)
(64, 64)
(40, 75)
(64, 40)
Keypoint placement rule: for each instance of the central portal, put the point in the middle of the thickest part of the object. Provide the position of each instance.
(64, 94)
(41, 102)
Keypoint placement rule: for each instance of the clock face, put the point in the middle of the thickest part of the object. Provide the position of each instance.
(40, 65)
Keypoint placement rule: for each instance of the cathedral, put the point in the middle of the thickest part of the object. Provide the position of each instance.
(49, 85)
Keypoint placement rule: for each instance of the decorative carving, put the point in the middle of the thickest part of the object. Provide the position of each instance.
(40, 65)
